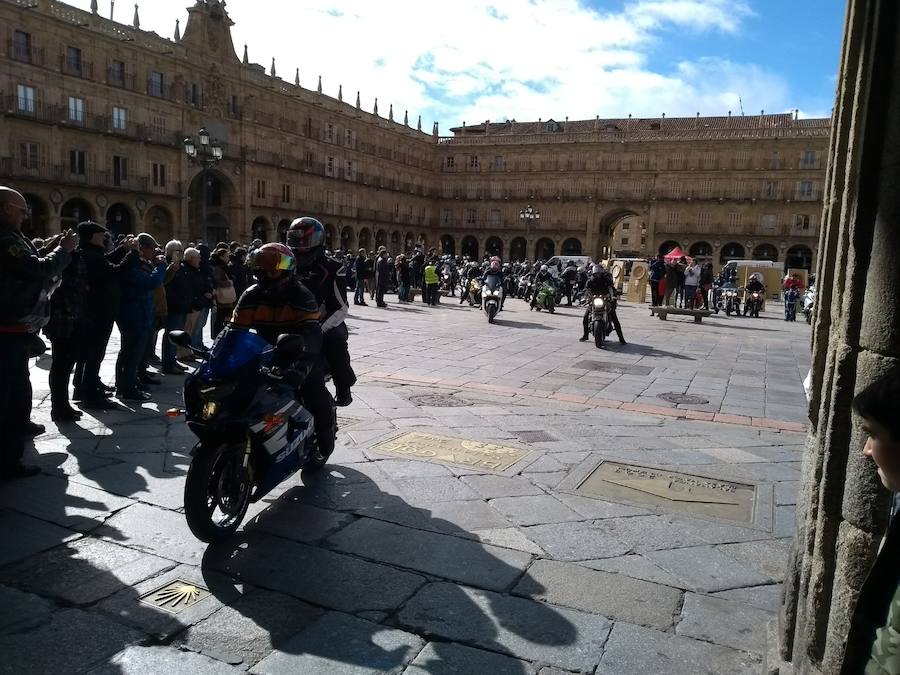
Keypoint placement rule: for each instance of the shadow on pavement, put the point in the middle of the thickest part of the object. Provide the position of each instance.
(522, 324)
(341, 543)
(647, 350)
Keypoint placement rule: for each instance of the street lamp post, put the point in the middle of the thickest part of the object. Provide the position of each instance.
(205, 154)
(529, 214)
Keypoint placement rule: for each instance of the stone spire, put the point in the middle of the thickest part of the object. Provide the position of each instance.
(93, 6)
(391, 113)
(406, 118)
(358, 106)
(137, 19)
(434, 130)
(375, 111)
(272, 68)
(246, 56)
(419, 125)
(177, 30)
(297, 77)
(112, 10)
(340, 92)
(319, 88)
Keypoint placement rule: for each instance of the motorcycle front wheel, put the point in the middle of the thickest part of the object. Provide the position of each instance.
(599, 334)
(216, 492)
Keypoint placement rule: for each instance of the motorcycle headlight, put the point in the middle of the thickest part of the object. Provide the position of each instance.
(756, 296)
(598, 303)
(210, 410)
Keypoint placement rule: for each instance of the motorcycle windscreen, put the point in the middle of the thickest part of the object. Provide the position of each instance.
(234, 349)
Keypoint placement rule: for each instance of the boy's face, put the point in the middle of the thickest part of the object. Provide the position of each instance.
(885, 452)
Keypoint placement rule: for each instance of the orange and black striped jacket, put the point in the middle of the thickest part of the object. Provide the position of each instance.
(275, 310)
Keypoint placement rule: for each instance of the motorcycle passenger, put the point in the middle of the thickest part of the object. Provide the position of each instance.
(495, 270)
(326, 278)
(569, 278)
(601, 283)
(754, 285)
(472, 272)
(539, 279)
(280, 303)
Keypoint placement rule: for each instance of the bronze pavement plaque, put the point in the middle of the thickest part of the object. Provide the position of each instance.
(175, 596)
(671, 490)
(448, 450)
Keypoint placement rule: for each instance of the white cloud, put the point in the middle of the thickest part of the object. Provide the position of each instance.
(510, 58)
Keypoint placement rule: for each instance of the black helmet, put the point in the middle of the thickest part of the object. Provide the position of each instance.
(306, 238)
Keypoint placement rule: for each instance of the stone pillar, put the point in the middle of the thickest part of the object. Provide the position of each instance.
(842, 508)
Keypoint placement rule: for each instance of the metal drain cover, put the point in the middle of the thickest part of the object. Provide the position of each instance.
(683, 399)
(615, 368)
(439, 401)
(175, 596)
(535, 437)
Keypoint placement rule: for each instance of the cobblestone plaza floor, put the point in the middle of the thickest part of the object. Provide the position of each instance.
(414, 551)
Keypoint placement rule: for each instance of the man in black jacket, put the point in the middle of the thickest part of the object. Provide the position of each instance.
(359, 268)
(25, 279)
(600, 284)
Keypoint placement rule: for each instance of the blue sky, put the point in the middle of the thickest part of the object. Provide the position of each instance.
(473, 60)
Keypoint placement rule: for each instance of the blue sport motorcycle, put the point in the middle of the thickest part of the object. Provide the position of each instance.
(253, 433)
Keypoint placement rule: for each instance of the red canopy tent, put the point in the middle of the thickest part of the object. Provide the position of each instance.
(676, 254)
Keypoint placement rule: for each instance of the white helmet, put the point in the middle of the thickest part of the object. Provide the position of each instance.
(596, 269)
(543, 268)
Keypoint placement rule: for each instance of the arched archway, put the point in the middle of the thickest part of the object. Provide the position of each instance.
(470, 247)
(396, 243)
(448, 245)
(798, 257)
(380, 238)
(260, 229)
(571, 246)
(765, 252)
(667, 246)
(73, 212)
(494, 246)
(544, 249)
(161, 223)
(329, 237)
(365, 239)
(35, 225)
(621, 232)
(731, 251)
(700, 249)
(119, 219)
(217, 229)
(283, 226)
(348, 242)
(219, 198)
(518, 249)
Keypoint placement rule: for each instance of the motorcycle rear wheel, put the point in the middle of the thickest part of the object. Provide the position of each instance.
(216, 482)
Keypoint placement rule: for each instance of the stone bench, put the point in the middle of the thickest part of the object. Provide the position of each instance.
(662, 312)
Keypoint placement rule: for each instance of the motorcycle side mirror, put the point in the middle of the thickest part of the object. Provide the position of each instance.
(180, 338)
(290, 346)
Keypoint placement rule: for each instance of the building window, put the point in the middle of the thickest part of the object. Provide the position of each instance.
(706, 189)
(76, 109)
(703, 221)
(473, 161)
(158, 125)
(449, 162)
(22, 46)
(802, 222)
(195, 98)
(28, 155)
(234, 106)
(285, 193)
(329, 132)
(494, 218)
(329, 166)
(260, 189)
(710, 160)
(498, 162)
(447, 217)
(676, 190)
(348, 138)
(470, 217)
(734, 223)
(120, 170)
(673, 218)
(76, 162)
(624, 241)
(349, 169)
(159, 175)
(771, 189)
(774, 161)
(117, 72)
(768, 223)
(119, 118)
(676, 160)
(806, 189)
(742, 160)
(73, 61)
(25, 96)
(808, 159)
(626, 226)
(156, 84)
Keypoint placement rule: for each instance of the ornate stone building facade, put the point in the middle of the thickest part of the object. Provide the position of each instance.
(94, 113)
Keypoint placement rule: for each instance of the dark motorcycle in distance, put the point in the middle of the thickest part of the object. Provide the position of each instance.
(252, 433)
(491, 295)
(729, 301)
(754, 303)
(601, 306)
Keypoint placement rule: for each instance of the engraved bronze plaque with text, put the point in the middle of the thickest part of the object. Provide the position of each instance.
(447, 450)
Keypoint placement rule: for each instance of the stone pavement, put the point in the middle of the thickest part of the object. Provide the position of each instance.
(387, 564)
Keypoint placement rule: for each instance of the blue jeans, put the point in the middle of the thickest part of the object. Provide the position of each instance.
(171, 322)
(197, 333)
(360, 296)
(403, 292)
(131, 351)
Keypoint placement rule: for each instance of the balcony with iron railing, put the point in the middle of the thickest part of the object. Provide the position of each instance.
(25, 52)
(160, 90)
(122, 79)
